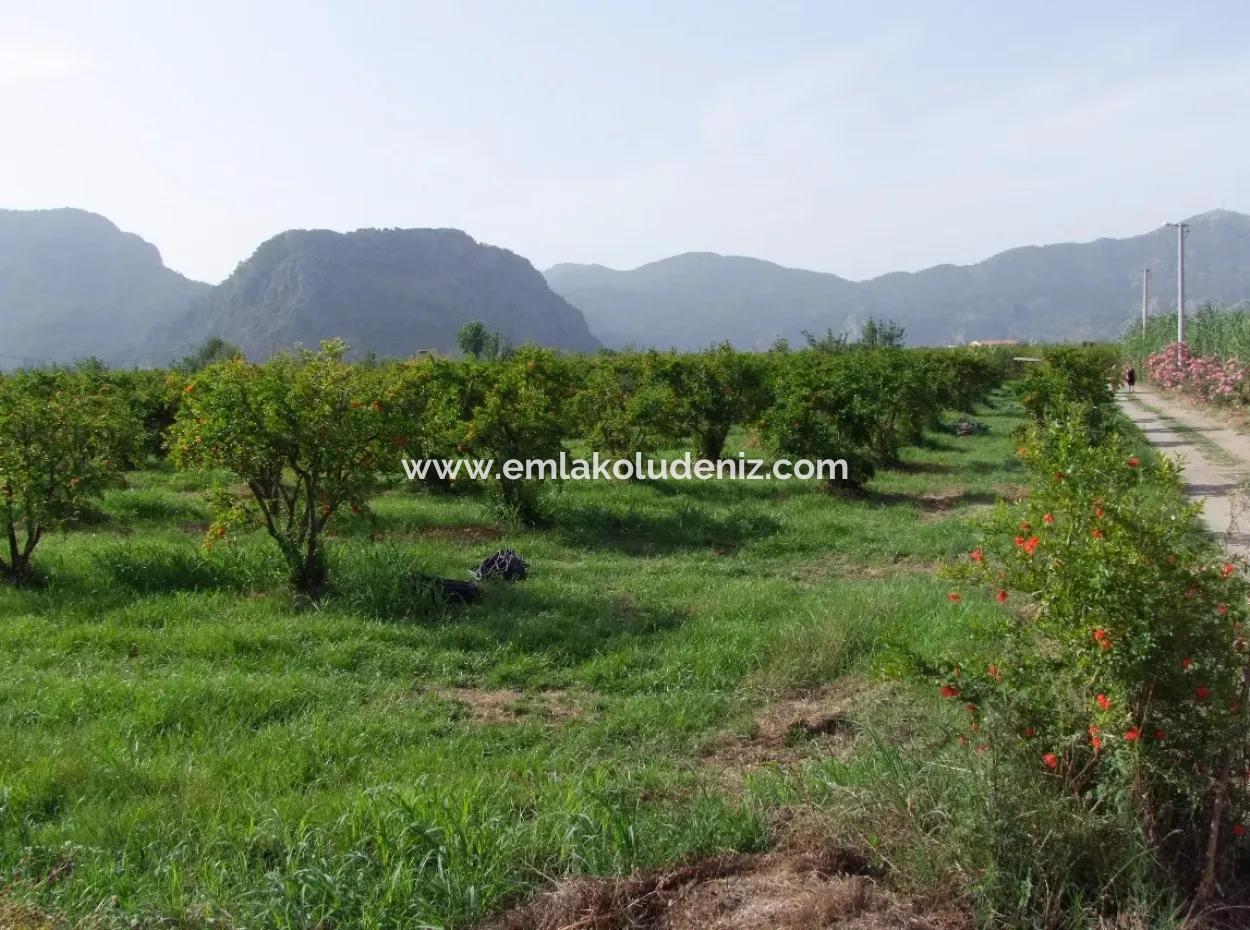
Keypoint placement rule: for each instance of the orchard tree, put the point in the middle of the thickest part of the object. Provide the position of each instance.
(426, 405)
(716, 390)
(516, 409)
(827, 405)
(63, 438)
(302, 432)
(627, 403)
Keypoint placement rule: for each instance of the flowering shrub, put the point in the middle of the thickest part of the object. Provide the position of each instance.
(1122, 673)
(1213, 379)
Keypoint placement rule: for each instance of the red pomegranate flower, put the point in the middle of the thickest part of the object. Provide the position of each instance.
(1221, 609)
(1030, 544)
(954, 597)
(970, 707)
(1160, 735)
(1051, 760)
(1097, 533)
(1187, 663)
(1029, 732)
(1132, 734)
(1229, 569)
(949, 691)
(1133, 461)
(977, 555)
(1048, 519)
(1202, 692)
(1103, 701)
(993, 672)
(1001, 597)
(1239, 829)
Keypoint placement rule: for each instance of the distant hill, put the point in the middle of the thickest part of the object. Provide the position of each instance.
(1055, 292)
(393, 291)
(74, 285)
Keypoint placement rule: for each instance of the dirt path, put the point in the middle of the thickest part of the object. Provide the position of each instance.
(1216, 461)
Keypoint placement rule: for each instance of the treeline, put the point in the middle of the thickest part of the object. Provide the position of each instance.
(311, 433)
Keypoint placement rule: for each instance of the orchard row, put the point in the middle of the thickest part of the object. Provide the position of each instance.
(311, 433)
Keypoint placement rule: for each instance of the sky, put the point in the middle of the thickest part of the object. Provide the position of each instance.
(846, 137)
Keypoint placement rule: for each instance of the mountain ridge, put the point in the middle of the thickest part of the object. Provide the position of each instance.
(73, 284)
(419, 286)
(1057, 290)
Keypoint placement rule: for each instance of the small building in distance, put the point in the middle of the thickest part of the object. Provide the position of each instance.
(978, 343)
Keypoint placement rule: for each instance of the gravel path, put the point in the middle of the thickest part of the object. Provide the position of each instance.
(1215, 460)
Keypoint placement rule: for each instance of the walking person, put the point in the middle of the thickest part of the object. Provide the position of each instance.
(1130, 378)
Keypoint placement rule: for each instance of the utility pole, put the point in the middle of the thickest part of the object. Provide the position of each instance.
(1145, 298)
(1181, 230)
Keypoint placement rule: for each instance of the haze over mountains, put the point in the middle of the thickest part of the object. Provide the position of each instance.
(1069, 291)
(73, 285)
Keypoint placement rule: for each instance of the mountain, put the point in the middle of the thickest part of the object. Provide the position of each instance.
(74, 285)
(392, 291)
(1068, 291)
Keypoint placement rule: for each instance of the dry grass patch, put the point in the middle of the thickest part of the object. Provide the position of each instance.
(508, 705)
(804, 885)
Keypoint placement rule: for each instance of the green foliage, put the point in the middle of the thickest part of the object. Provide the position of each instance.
(515, 409)
(300, 430)
(63, 438)
(628, 403)
(882, 334)
(1121, 679)
(717, 390)
(214, 349)
(1222, 332)
(478, 342)
(1074, 381)
(864, 406)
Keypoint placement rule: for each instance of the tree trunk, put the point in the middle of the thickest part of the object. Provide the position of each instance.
(712, 444)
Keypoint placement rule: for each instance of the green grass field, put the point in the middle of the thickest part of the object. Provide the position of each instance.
(185, 746)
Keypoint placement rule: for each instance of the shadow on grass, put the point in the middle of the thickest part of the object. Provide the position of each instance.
(929, 502)
(568, 627)
(661, 528)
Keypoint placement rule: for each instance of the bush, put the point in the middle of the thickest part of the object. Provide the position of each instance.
(628, 403)
(64, 436)
(716, 390)
(300, 430)
(515, 409)
(1121, 678)
(1214, 380)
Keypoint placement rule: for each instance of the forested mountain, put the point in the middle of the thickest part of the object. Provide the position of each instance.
(1055, 292)
(74, 285)
(391, 291)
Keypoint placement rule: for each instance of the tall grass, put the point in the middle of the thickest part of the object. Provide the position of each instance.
(1210, 330)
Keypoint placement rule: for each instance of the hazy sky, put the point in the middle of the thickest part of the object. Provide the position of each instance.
(848, 137)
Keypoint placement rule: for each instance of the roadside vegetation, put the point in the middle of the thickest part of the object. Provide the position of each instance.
(1000, 670)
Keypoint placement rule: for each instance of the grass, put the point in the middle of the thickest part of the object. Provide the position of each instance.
(185, 744)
